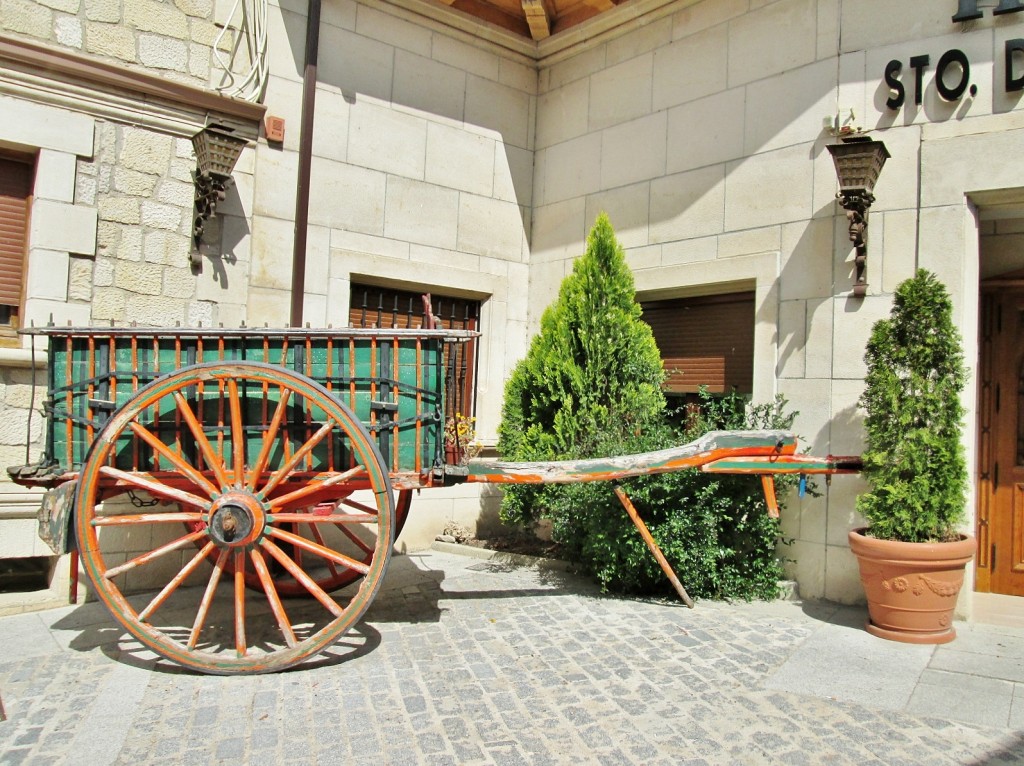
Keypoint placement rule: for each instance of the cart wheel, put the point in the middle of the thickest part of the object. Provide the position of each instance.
(237, 445)
(355, 542)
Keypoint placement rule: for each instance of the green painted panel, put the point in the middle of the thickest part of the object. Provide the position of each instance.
(91, 373)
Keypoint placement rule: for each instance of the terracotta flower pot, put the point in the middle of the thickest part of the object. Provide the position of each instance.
(911, 588)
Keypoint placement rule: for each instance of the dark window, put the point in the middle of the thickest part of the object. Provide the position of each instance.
(25, 575)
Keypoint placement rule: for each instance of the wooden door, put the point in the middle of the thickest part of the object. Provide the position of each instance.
(1000, 517)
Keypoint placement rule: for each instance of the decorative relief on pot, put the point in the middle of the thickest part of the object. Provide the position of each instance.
(910, 595)
(941, 588)
(898, 584)
(938, 587)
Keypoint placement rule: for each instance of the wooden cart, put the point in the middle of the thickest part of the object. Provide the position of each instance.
(209, 476)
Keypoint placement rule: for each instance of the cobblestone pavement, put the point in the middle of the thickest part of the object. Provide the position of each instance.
(462, 661)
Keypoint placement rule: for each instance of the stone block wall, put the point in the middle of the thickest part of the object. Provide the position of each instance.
(172, 39)
(444, 163)
(140, 182)
(111, 215)
(704, 139)
(421, 176)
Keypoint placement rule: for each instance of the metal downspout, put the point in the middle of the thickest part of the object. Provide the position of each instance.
(305, 163)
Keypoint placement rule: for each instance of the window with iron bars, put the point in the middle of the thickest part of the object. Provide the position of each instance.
(385, 307)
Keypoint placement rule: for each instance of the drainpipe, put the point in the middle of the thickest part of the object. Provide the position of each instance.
(305, 162)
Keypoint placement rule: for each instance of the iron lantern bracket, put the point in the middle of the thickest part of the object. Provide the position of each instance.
(211, 189)
(856, 204)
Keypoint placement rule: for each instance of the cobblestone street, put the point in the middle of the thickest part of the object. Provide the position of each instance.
(466, 661)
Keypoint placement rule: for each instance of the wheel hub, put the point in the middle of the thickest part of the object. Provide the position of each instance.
(236, 519)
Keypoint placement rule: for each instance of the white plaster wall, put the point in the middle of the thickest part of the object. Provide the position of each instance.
(702, 137)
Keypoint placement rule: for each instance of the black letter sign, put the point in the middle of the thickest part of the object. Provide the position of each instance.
(1013, 83)
(953, 56)
(967, 11)
(918, 63)
(892, 71)
(1008, 6)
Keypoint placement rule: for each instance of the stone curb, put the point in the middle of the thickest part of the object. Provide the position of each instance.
(788, 590)
(515, 559)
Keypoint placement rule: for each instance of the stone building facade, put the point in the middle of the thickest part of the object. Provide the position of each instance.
(454, 158)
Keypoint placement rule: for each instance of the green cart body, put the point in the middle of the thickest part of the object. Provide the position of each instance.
(394, 381)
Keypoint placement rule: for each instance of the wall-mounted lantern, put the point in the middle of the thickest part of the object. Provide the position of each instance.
(859, 162)
(217, 150)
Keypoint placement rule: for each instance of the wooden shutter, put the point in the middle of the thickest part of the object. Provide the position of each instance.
(706, 341)
(15, 187)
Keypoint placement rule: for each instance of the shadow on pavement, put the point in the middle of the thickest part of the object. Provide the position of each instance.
(835, 614)
(107, 635)
(411, 592)
(1011, 753)
(414, 592)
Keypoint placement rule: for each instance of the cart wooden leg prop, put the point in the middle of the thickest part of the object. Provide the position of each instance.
(653, 546)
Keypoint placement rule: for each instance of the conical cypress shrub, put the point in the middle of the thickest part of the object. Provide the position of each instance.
(914, 458)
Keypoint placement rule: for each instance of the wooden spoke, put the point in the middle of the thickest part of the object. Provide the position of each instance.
(175, 460)
(319, 537)
(128, 519)
(347, 538)
(204, 604)
(275, 602)
(360, 506)
(155, 487)
(176, 581)
(214, 463)
(297, 457)
(283, 501)
(319, 550)
(239, 564)
(237, 432)
(282, 473)
(156, 553)
(359, 542)
(333, 518)
(268, 439)
(297, 572)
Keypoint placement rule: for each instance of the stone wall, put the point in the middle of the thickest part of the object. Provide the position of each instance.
(422, 177)
(704, 139)
(173, 39)
(444, 163)
(141, 184)
(112, 203)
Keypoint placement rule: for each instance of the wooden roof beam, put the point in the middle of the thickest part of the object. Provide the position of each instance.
(493, 14)
(538, 18)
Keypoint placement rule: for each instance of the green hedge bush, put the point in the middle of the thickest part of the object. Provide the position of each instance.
(590, 386)
(714, 529)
